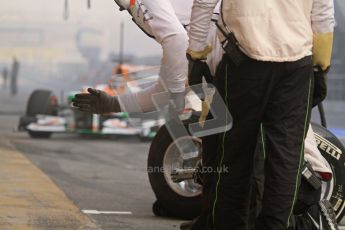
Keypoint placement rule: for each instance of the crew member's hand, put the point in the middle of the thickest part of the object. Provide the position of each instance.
(197, 69)
(320, 86)
(96, 101)
(178, 101)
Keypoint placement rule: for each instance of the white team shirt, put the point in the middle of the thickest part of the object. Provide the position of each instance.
(159, 19)
(165, 21)
(292, 34)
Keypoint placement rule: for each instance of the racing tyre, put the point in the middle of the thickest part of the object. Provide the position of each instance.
(40, 102)
(39, 135)
(180, 200)
(159, 210)
(183, 200)
(333, 151)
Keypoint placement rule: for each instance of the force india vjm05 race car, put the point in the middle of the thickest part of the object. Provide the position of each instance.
(45, 116)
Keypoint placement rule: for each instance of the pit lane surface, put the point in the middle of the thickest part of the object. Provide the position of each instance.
(95, 173)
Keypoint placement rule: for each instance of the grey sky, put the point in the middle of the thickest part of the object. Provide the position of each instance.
(47, 15)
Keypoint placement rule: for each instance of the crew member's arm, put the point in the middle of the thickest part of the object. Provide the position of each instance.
(169, 32)
(323, 21)
(99, 102)
(140, 101)
(165, 27)
(200, 24)
(323, 26)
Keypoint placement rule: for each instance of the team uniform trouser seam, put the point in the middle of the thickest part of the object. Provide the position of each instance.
(263, 140)
(297, 181)
(223, 150)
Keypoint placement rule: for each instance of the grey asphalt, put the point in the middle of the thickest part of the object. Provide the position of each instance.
(95, 173)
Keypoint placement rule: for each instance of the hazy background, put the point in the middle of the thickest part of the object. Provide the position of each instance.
(76, 51)
(66, 54)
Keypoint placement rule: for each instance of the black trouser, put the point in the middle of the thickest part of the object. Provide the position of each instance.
(278, 96)
(307, 199)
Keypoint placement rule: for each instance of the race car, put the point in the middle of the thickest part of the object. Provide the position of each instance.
(45, 116)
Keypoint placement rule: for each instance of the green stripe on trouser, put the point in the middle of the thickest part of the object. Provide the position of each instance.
(223, 148)
(309, 89)
(298, 177)
(263, 140)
